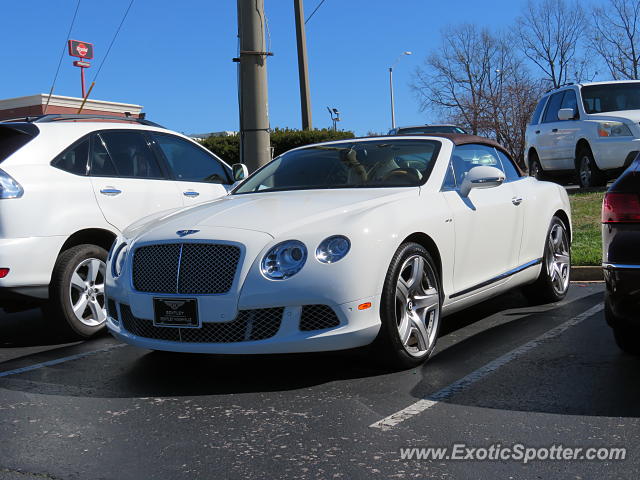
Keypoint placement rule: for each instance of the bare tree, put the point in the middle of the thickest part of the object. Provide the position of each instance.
(475, 79)
(615, 36)
(455, 80)
(548, 33)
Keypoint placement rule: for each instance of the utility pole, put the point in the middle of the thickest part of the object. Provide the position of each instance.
(303, 70)
(255, 145)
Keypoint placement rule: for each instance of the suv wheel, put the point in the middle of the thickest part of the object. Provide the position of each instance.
(76, 291)
(589, 175)
(535, 168)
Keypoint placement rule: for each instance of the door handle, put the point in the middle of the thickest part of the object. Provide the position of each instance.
(537, 131)
(554, 130)
(516, 200)
(111, 191)
(191, 193)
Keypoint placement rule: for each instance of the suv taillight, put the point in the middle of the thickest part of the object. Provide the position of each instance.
(621, 208)
(9, 188)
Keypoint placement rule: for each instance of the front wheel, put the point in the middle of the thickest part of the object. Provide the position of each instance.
(553, 282)
(535, 168)
(589, 175)
(410, 308)
(76, 292)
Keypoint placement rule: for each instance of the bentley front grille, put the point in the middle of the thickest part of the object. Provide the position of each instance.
(185, 268)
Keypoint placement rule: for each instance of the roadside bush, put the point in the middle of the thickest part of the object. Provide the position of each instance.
(227, 148)
(282, 139)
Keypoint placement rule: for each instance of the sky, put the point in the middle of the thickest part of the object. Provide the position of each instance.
(174, 57)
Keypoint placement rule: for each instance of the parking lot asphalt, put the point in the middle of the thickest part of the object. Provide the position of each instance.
(504, 372)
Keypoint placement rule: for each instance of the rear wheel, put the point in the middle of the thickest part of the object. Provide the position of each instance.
(410, 308)
(76, 292)
(626, 337)
(553, 282)
(589, 175)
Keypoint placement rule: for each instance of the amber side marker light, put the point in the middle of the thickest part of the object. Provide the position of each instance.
(364, 306)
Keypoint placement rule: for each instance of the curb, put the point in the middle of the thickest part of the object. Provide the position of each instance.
(587, 274)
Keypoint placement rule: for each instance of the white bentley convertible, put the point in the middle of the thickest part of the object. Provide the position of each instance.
(340, 245)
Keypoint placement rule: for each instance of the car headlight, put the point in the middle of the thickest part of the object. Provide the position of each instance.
(284, 260)
(118, 259)
(613, 129)
(333, 248)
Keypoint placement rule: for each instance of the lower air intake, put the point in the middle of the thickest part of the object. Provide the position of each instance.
(318, 317)
(249, 325)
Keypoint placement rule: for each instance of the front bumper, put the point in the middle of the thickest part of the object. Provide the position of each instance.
(356, 328)
(622, 293)
(611, 153)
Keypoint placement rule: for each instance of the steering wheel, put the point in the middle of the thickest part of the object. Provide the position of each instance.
(406, 174)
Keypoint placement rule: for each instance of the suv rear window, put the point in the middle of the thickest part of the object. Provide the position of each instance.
(13, 138)
(538, 111)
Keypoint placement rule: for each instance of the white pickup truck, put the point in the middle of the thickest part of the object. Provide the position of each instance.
(591, 130)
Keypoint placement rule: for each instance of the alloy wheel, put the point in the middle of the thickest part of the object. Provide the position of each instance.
(585, 171)
(417, 306)
(86, 292)
(534, 171)
(558, 260)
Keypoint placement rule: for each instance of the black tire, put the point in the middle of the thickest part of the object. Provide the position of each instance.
(60, 307)
(388, 345)
(549, 287)
(589, 175)
(626, 337)
(535, 168)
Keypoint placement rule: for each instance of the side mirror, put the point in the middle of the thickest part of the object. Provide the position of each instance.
(566, 114)
(240, 171)
(481, 177)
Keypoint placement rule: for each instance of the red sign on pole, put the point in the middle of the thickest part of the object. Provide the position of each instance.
(81, 49)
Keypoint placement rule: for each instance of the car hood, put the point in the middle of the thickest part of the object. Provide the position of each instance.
(272, 213)
(633, 115)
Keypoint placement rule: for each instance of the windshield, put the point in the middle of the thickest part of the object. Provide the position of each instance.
(431, 129)
(369, 164)
(611, 97)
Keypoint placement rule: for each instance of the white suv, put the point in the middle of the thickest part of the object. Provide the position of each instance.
(588, 129)
(68, 186)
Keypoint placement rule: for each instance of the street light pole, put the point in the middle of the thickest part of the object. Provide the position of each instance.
(393, 109)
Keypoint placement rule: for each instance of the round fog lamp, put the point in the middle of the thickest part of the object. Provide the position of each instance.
(333, 249)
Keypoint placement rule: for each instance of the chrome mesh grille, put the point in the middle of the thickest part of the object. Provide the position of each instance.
(185, 268)
(155, 268)
(318, 317)
(249, 325)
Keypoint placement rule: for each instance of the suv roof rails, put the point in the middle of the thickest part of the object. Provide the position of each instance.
(56, 117)
(560, 86)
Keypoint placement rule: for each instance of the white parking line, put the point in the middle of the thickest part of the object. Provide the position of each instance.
(460, 385)
(59, 360)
